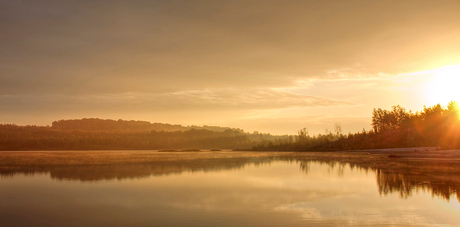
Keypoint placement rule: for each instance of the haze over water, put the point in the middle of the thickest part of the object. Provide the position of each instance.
(240, 190)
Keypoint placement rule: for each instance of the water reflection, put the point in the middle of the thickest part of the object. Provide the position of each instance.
(405, 185)
(221, 189)
(404, 180)
(133, 170)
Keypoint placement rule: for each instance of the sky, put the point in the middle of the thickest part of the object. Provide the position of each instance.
(267, 66)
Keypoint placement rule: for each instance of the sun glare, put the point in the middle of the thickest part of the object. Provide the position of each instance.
(444, 85)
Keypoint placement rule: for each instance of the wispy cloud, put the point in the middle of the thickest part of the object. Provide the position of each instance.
(223, 99)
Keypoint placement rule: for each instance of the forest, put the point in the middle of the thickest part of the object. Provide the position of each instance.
(434, 126)
(14, 137)
(108, 125)
(105, 134)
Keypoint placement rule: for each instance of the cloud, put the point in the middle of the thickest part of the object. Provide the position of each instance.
(145, 57)
(55, 47)
(208, 99)
(353, 215)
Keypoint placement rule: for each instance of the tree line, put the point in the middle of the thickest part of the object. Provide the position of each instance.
(109, 125)
(106, 134)
(13, 137)
(434, 126)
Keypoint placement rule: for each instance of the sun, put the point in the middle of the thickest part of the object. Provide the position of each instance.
(444, 85)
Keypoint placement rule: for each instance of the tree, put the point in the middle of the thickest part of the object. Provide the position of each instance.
(384, 120)
(302, 135)
(338, 129)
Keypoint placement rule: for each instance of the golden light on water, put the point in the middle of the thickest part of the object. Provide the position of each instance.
(455, 204)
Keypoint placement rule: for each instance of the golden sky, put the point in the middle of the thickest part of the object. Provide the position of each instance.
(270, 66)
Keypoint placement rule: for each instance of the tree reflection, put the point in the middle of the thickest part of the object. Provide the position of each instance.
(393, 176)
(405, 185)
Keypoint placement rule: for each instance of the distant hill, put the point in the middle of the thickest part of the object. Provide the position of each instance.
(103, 134)
(107, 125)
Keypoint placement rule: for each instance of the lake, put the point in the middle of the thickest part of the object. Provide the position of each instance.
(149, 188)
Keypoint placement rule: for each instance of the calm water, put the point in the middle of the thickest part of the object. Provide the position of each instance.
(227, 192)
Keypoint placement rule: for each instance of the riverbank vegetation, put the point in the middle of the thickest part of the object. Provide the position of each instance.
(14, 137)
(434, 126)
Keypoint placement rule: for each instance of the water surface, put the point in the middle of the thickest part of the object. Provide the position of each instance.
(256, 190)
